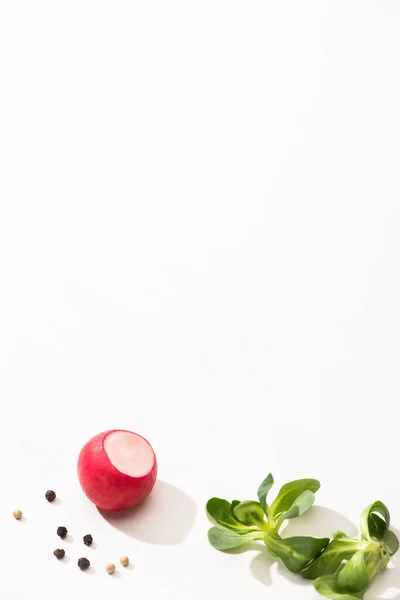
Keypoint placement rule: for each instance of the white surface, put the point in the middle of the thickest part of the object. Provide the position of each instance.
(199, 241)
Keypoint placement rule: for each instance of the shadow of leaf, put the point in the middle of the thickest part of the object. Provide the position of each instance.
(261, 569)
(293, 577)
(164, 518)
(256, 546)
(385, 585)
(319, 522)
(261, 566)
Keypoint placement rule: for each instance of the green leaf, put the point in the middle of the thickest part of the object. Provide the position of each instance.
(353, 577)
(295, 552)
(330, 560)
(372, 526)
(376, 526)
(219, 512)
(224, 539)
(263, 490)
(300, 505)
(233, 504)
(375, 561)
(327, 586)
(290, 492)
(340, 535)
(250, 513)
(391, 541)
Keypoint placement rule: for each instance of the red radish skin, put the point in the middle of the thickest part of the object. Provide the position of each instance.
(117, 469)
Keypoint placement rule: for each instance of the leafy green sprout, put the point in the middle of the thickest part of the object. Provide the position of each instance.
(347, 566)
(237, 523)
(341, 569)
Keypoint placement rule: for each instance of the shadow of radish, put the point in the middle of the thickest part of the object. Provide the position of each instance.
(164, 518)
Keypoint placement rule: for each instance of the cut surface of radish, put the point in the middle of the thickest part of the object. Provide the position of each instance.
(129, 453)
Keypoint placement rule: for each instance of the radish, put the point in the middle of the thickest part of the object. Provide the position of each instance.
(117, 469)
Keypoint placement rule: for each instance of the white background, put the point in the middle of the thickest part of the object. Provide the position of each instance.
(199, 241)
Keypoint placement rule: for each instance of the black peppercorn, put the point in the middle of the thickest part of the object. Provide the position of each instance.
(50, 495)
(87, 539)
(62, 532)
(59, 553)
(83, 564)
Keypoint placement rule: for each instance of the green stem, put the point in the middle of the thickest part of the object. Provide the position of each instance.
(279, 523)
(264, 528)
(270, 518)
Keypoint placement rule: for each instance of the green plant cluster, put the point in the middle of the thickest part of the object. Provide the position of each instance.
(342, 568)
